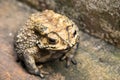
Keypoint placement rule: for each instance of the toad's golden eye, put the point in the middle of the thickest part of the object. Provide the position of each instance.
(52, 41)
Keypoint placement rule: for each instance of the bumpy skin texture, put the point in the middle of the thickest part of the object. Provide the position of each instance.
(46, 36)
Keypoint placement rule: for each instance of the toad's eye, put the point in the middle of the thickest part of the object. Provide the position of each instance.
(51, 41)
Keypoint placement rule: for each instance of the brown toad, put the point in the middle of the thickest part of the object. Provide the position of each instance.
(46, 36)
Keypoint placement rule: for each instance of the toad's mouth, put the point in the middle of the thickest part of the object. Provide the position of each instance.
(54, 48)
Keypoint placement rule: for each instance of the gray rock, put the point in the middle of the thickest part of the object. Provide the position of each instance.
(98, 18)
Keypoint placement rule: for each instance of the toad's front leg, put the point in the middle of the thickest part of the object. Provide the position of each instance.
(69, 57)
(29, 62)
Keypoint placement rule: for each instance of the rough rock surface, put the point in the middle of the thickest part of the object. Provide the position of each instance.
(12, 16)
(97, 60)
(99, 18)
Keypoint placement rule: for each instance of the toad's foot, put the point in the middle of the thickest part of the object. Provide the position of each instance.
(42, 72)
(69, 58)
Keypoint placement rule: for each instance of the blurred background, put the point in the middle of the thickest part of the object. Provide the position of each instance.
(98, 55)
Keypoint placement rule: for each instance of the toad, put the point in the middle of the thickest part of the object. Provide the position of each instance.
(46, 36)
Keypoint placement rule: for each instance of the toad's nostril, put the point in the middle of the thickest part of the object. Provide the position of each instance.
(74, 33)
